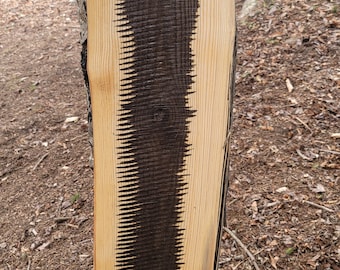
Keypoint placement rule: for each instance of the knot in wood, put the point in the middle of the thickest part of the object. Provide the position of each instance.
(160, 114)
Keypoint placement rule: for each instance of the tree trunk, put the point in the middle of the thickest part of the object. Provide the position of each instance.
(83, 41)
(161, 75)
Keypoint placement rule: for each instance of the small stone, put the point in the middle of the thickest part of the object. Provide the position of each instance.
(282, 189)
(72, 119)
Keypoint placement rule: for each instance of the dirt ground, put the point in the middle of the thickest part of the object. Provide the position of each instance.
(283, 202)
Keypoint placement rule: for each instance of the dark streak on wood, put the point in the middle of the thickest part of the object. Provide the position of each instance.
(153, 129)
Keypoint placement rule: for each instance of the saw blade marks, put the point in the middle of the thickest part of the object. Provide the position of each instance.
(153, 127)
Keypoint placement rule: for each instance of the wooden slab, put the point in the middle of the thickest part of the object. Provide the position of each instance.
(161, 76)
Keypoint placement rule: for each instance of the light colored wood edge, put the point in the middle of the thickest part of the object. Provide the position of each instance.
(213, 50)
(104, 85)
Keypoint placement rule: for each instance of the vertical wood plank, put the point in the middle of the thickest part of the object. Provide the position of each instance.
(104, 91)
(114, 67)
(213, 53)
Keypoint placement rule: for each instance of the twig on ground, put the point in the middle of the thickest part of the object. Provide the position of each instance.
(237, 265)
(304, 124)
(250, 255)
(72, 225)
(85, 241)
(29, 265)
(303, 156)
(224, 261)
(233, 201)
(318, 206)
(61, 219)
(78, 137)
(330, 151)
(335, 135)
(257, 253)
(39, 161)
(268, 205)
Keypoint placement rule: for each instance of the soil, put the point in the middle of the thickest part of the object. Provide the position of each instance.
(283, 200)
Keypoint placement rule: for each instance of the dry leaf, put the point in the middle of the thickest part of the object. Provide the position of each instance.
(248, 8)
(273, 261)
(313, 261)
(330, 165)
(293, 100)
(287, 240)
(254, 208)
(273, 243)
(289, 85)
(318, 189)
(282, 189)
(269, 128)
(307, 156)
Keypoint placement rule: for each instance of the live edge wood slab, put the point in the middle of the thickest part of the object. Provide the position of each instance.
(161, 81)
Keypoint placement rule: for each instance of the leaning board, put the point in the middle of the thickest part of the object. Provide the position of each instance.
(161, 80)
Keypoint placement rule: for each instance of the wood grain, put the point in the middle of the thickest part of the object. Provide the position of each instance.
(161, 76)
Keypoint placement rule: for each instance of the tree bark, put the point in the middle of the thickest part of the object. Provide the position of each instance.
(83, 42)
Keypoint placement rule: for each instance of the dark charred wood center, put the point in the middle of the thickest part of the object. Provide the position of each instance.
(153, 130)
